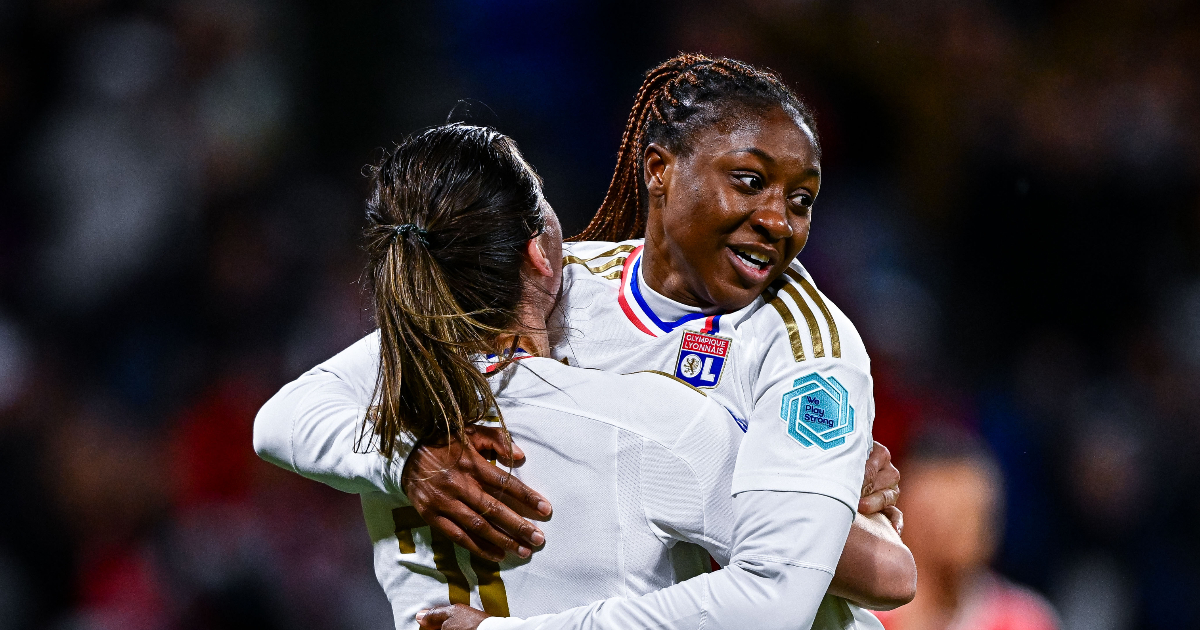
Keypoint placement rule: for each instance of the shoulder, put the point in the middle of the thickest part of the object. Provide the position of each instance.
(798, 321)
(654, 405)
(598, 258)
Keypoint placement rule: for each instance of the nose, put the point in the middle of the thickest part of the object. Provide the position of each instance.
(771, 220)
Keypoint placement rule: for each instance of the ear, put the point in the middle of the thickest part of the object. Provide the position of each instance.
(535, 256)
(659, 165)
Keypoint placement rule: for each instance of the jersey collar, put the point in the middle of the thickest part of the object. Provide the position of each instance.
(489, 363)
(652, 313)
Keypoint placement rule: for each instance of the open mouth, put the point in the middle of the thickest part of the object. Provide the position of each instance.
(758, 261)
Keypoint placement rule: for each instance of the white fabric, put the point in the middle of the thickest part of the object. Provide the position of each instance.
(321, 412)
(595, 329)
(788, 544)
(634, 464)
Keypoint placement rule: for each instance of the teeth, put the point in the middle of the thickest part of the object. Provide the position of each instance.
(757, 259)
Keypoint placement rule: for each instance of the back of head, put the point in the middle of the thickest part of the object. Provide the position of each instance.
(679, 98)
(449, 214)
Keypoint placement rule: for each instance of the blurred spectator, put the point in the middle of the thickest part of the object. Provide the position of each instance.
(1010, 212)
(952, 503)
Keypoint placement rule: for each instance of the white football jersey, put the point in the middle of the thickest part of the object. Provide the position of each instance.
(795, 378)
(790, 367)
(627, 491)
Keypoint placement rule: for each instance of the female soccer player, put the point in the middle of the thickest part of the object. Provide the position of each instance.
(466, 260)
(718, 169)
(719, 166)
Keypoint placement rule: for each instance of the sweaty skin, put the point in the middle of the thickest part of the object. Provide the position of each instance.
(748, 186)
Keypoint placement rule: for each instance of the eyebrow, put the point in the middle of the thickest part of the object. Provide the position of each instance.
(766, 157)
(763, 155)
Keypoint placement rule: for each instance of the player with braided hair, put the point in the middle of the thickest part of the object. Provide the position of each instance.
(718, 171)
(679, 97)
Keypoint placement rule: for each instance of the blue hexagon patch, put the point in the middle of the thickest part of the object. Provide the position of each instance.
(818, 411)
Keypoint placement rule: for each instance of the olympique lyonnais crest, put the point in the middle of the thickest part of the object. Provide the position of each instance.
(818, 411)
(701, 359)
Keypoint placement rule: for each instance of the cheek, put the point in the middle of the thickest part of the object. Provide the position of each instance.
(800, 232)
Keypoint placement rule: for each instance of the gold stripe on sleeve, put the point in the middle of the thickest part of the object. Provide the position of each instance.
(575, 260)
(814, 331)
(614, 275)
(447, 563)
(608, 265)
(492, 594)
(406, 520)
(619, 249)
(808, 287)
(789, 322)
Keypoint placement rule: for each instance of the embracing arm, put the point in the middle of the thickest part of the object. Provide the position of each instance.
(788, 544)
(876, 570)
(313, 427)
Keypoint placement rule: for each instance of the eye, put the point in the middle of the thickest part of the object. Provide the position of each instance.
(804, 200)
(750, 180)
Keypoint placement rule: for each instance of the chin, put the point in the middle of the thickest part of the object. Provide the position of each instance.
(731, 299)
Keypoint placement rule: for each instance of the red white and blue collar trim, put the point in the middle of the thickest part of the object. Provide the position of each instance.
(639, 312)
(489, 363)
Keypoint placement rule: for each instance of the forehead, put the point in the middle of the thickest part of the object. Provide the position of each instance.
(781, 135)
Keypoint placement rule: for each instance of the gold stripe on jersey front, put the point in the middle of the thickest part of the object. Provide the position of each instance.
(789, 323)
(492, 594)
(835, 341)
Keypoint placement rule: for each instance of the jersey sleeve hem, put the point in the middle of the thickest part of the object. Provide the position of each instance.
(802, 483)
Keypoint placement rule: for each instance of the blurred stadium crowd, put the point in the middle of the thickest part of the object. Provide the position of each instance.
(1010, 212)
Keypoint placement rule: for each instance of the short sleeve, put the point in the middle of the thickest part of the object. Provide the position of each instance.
(809, 428)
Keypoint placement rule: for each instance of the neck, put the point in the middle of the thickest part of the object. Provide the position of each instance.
(659, 269)
(531, 333)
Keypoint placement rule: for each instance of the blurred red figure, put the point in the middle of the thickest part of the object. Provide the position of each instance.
(953, 508)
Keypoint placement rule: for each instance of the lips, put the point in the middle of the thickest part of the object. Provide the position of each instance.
(753, 263)
(752, 258)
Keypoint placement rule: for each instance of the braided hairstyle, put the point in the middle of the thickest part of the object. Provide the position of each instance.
(679, 97)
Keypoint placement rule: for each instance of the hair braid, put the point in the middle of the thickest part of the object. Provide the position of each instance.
(614, 219)
(679, 97)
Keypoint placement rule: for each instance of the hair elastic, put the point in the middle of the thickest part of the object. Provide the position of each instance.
(411, 228)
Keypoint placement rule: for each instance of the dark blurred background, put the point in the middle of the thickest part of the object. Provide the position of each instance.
(1010, 213)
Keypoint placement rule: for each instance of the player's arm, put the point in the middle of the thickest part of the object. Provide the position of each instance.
(788, 544)
(313, 426)
(877, 570)
(823, 407)
(784, 544)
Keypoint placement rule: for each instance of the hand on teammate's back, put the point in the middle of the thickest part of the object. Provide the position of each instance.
(459, 492)
(881, 487)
